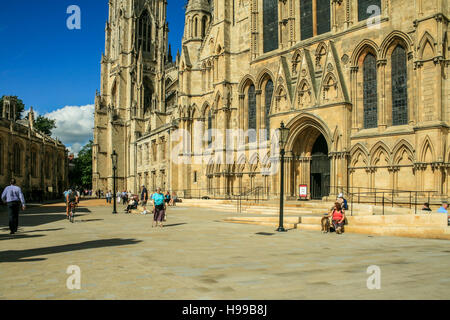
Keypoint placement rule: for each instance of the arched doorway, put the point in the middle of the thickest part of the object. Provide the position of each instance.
(320, 169)
(308, 163)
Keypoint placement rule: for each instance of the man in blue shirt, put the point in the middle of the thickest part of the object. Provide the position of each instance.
(444, 209)
(13, 197)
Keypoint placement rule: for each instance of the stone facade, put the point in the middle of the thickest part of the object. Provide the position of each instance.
(365, 96)
(37, 162)
(138, 94)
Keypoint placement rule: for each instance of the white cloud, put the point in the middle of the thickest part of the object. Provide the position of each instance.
(75, 149)
(74, 125)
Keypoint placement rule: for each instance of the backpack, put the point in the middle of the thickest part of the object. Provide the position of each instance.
(71, 196)
(345, 204)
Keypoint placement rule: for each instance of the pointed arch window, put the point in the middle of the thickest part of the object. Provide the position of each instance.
(209, 128)
(268, 93)
(144, 32)
(270, 25)
(399, 87)
(204, 25)
(368, 9)
(148, 95)
(251, 108)
(370, 89)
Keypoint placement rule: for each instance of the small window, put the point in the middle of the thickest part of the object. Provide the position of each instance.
(195, 177)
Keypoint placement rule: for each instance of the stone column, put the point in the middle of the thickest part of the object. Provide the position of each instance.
(382, 112)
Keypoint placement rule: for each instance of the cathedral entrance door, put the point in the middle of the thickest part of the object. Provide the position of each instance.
(320, 169)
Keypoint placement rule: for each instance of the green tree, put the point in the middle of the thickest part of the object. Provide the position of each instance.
(81, 174)
(20, 106)
(45, 125)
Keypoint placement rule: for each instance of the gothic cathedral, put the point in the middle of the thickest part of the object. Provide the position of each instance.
(363, 86)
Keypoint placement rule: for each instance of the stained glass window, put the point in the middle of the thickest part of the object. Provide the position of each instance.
(399, 87)
(270, 22)
(252, 113)
(209, 128)
(306, 19)
(268, 97)
(368, 8)
(144, 29)
(323, 16)
(370, 92)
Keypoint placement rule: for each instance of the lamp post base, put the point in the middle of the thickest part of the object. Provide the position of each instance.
(281, 229)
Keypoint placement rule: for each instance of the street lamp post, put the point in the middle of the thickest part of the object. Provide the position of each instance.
(114, 167)
(284, 133)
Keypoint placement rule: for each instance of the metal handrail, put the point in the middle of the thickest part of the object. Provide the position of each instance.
(384, 196)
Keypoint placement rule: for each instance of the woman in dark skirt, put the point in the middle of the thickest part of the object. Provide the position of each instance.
(159, 208)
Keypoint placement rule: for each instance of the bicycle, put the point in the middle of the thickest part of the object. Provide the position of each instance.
(72, 207)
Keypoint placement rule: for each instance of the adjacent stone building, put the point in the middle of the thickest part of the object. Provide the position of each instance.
(37, 161)
(363, 86)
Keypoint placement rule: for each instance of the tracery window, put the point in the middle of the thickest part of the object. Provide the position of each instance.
(368, 8)
(268, 102)
(370, 91)
(399, 87)
(270, 25)
(314, 22)
(144, 32)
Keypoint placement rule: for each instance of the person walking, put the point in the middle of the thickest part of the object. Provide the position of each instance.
(13, 197)
(159, 208)
(108, 197)
(144, 196)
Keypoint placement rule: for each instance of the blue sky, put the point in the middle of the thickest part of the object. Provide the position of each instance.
(49, 66)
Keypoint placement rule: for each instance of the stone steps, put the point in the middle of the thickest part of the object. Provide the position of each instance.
(420, 226)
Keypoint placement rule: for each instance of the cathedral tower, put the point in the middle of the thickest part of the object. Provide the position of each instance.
(132, 98)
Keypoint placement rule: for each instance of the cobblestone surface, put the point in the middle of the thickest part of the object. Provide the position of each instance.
(196, 256)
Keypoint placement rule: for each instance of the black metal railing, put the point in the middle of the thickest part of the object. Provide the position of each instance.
(386, 197)
(256, 194)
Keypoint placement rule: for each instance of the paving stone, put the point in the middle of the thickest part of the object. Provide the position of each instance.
(122, 257)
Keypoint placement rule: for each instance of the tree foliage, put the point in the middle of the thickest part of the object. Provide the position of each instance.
(20, 106)
(81, 173)
(44, 125)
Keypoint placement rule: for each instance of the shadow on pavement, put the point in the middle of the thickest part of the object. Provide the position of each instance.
(25, 255)
(18, 236)
(42, 215)
(174, 225)
(88, 220)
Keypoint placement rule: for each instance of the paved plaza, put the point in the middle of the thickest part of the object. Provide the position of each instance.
(197, 256)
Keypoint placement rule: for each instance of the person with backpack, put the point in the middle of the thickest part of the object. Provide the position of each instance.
(71, 197)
